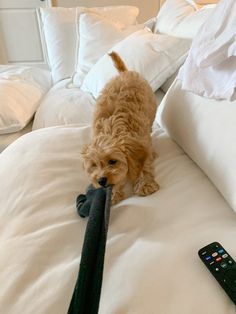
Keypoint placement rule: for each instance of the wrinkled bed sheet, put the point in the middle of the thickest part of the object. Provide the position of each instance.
(151, 263)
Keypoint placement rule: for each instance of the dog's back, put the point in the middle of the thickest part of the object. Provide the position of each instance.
(126, 95)
(121, 150)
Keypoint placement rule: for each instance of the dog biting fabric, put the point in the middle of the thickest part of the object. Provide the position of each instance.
(121, 150)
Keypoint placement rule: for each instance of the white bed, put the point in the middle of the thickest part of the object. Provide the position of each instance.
(151, 262)
(7, 139)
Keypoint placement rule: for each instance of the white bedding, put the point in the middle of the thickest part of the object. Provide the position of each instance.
(151, 263)
(21, 91)
(62, 105)
(206, 130)
(209, 69)
(7, 139)
(65, 104)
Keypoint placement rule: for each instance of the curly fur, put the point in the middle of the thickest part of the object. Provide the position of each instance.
(121, 149)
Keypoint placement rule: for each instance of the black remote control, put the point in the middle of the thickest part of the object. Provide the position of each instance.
(222, 266)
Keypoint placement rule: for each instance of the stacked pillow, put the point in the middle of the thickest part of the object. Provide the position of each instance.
(58, 28)
(155, 57)
(21, 89)
(97, 33)
(182, 18)
(77, 41)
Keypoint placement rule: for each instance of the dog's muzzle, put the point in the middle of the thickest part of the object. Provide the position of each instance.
(102, 181)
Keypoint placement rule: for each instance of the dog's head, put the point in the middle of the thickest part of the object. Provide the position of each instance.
(108, 160)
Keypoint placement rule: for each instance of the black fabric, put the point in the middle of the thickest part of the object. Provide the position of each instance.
(84, 202)
(86, 296)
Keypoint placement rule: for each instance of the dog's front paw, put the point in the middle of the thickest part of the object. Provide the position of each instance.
(117, 196)
(143, 188)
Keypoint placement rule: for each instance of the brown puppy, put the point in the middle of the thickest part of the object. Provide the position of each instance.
(121, 149)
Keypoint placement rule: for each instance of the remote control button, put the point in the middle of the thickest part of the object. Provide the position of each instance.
(230, 262)
(213, 262)
(224, 265)
(225, 255)
(203, 253)
(230, 279)
(218, 259)
(221, 251)
(217, 269)
(208, 258)
(214, 254)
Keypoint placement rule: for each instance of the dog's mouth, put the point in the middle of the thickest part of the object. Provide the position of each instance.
(103, 185)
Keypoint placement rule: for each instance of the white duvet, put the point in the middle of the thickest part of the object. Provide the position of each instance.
(151, 264)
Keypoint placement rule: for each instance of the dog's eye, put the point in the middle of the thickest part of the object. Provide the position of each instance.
(112, 162)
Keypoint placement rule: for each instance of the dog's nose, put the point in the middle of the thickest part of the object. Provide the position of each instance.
(102, 181)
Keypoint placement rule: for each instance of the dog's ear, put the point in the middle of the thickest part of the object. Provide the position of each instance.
(85, 154)
(84, 150)
(136, 153)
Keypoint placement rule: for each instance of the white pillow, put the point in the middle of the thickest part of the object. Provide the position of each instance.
(59, 35)
(21, 89)
(181, 18)
(58, 28)
(97, 33)
(206, 130)
(64, 105)
(154, 56)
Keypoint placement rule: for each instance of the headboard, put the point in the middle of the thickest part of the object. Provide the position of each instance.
(20, 40)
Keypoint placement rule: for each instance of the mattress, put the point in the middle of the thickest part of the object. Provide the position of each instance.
(7, 139)
(151, 263)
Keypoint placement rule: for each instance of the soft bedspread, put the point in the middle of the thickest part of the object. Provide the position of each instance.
(151, 262)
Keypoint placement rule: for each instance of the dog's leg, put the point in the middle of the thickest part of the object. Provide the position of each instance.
(117, 194)
(145, 183)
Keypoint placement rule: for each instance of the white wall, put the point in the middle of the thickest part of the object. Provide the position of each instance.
(148, 8)
(20, 40)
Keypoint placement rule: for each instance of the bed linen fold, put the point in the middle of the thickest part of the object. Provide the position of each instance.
(209, 69)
